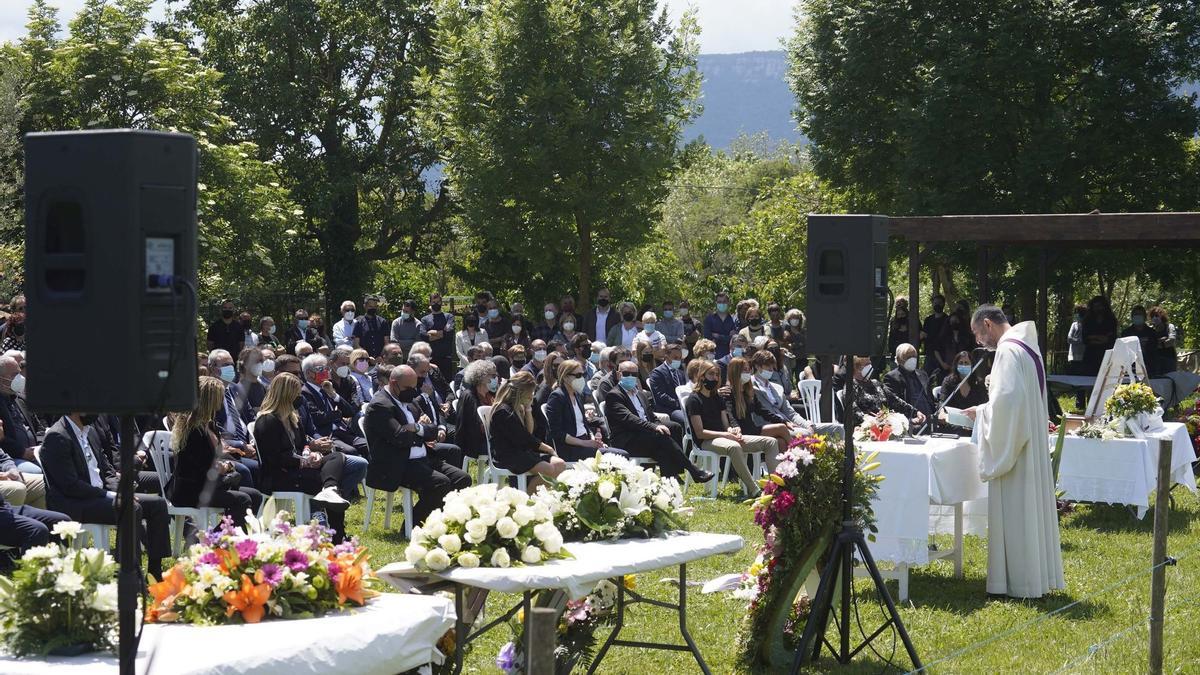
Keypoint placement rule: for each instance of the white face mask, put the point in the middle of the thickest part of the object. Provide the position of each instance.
(349, 316)
(256, 369)
(343, 371)
(549, 315)
(910, 364)
(18, 384)
(268, 366)
(516, 329)
(746, 377)
(866, 371)
(568, 326)
(683, 311)
(577, 384)
(539, 355)
(794, 322)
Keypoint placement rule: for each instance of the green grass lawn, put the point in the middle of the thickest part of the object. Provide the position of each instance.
(1101, 546)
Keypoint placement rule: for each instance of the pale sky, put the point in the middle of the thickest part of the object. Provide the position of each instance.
(726, 25)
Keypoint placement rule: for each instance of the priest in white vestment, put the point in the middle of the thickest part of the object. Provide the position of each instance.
(1024, 551)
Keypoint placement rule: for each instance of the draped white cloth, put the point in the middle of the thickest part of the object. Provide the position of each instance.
(1024, 549)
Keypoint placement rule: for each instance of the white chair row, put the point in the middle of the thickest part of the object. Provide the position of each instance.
(406, 495)
(707, 459)
(97, 534)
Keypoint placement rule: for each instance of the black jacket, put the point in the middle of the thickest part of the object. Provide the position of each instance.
(390, 444)
(468, 433)
(904, 388)
(510, 437)
(66, 470)
(280, 450)
(560, 417)
(192, 464)
(623, 419)
(326, 414)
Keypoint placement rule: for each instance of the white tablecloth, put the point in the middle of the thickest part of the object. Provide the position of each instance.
(593, 561)
(1124, 470)
(392, 634)
(941, 471)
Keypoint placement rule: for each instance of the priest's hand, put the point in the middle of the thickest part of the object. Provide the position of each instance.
(971, 412)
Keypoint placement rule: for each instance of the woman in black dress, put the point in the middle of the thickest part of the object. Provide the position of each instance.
(201, 478)
(515, 448)
(744, 408)
(870, 398)
(288, 465)
(1099, 334)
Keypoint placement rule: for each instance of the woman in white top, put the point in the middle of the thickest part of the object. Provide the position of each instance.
(470, 336)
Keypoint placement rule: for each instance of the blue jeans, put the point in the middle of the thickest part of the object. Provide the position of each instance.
(26, 466)
(353, 474)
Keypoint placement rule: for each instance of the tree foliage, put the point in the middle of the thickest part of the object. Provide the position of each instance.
(562, 121)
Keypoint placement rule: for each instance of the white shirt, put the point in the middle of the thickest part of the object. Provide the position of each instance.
(92, 463)
(637, 403)
(656, 339)
(628, 334)
(418, 451)
(601, 324)
(580, 425)
(343, 333)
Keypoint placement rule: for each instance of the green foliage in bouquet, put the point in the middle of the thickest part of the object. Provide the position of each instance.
(1131, 400)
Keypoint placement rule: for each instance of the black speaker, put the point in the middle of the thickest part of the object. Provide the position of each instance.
(847, 284)
(110, 271)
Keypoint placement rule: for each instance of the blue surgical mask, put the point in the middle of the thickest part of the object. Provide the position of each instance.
(629, 382)
(963, 370)
(493, 313)
(722, 307)
(667, 314)
(648, 327)
(302, 324)
(404, 316)
(766, 374)
(738, 351)
(493, 384)
(594, 358)
(227, 373)
(1139, 320)
(676, 364)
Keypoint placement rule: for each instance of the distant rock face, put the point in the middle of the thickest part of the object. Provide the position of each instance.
(744, 93)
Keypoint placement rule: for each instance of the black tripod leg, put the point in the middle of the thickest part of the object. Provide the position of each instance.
(818, 617)
(869, 562)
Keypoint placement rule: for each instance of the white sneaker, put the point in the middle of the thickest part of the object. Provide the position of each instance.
(329, 496)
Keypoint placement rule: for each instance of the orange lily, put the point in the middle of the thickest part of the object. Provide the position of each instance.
(229, 559)
(250, 600)
(173, 584)
(350, 585)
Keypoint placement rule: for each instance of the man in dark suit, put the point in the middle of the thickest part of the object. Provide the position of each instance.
(22, 527)
(663, 381)
(327, 409)
(82, 484)
(431, 405)
(636, 429)
(107, 429)
(909, 382)
(19, 437)
(602, 312)
(397, 434)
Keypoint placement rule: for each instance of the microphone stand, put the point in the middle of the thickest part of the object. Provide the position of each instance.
(929, 422)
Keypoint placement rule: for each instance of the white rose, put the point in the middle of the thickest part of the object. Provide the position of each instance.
(523, 514)
(415, 553)
(488, 515)
(553, 544)
(458, 512)
(544, 531)
(47, 552)
(437, 560)
(468, 560)
(450, 542)
(105, 599)
(69, 582)
(513, 496)
(500, 558)
(477, 529)
(531, 555)
(606, 490)
(435, 527)
(662, 501)
(507, 528)
(67, 529)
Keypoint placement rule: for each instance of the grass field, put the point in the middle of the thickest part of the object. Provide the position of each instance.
(948, 618)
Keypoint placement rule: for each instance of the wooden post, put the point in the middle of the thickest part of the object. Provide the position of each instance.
(1042, 305)
(1158, 578)
(543, 631)
(914, 294)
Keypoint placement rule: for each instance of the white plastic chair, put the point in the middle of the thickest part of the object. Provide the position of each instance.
(96, 532)
(493, 473)
(937, 394)
(705, 459)
(406, 499)
(810, 394)
(640, 461)
(840, 407)
(158, 446)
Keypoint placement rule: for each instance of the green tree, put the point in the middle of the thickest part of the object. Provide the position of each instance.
(984, 107)
(106, 73)
(328, 87)
(562, 122)
(12, 173)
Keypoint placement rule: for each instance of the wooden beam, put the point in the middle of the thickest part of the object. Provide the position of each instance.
(1048, 228)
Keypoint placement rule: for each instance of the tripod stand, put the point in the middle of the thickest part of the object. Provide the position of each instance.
(840, 569)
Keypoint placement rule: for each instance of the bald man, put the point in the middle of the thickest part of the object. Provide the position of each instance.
(397, 435)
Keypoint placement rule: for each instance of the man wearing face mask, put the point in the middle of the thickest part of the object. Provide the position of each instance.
(300, 331)
(537, 354)
(235, 435)
(665, 379)
(1144, 333)
(601, 318)
(371, 331)
(668, 324)
(82, 484)
(870, 397)
(343, 331)
(736, 347)
(546, 329)
(933, 335)
(908, 382)
(19, 437)
(650, 333)
(622, 334)
(635, 427)
(720, 326)
(399, 454)
(226, 333)
(439, 329)
(326, 408)
(433, 408)
(406, 329)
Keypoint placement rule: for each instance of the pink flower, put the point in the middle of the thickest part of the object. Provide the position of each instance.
(783, 502)
(295, 560)
(247, 549)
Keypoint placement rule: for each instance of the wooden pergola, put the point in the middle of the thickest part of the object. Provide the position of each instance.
(1046, 232)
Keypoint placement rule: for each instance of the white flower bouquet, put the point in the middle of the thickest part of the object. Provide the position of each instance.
(610, 497)
(486, 526)
(881, 427)
(59, 600)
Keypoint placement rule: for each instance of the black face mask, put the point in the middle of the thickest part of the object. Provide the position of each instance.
(518, 363)
(18, 329)
(481, 309)
(627, 317)
(88, 419)
(408, 395)
(396, 360)
(603, 302)
(436, 306)
(938, 307)
(755, 323)
(648, 358)
(371, 311)
(710, 384)
(227, 313)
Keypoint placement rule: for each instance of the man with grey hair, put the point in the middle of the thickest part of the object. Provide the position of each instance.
(235, 436)
(1024, 549)
(909, 383)
(326, 408)
(19, 437)
(399, 435)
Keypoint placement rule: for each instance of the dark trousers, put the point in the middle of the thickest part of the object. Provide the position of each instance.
(432, 478)
(348, 443)
(446, 365)
(22, 527)
(236, 502)
(311, 480)
(680, 419)
(666, 450)
(153, 523)
(448, 453)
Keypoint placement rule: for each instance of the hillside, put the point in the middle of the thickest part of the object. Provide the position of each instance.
(744, 93)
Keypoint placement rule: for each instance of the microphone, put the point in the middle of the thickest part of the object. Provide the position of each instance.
(978, 362)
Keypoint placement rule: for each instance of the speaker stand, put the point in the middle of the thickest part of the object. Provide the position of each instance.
(840, 570)
(130, 580)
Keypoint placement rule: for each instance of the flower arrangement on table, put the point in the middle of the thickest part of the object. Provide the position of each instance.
(59, 600)
(265, 570)
(797, 511)
(1131, 402)
(1107, 431)
(610, 497)
(881, 427)
(576, 643)
(1192, 421)
(486, 526)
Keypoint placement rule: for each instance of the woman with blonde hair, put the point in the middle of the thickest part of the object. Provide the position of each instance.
(549, 378)
(360, 364)
(201, 478)
(745, 408)
(291, 465)
(515, 448)
(715, 432)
